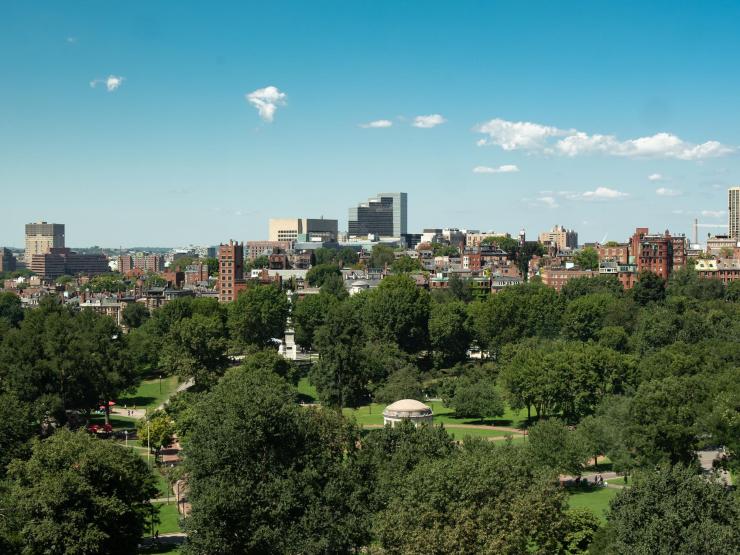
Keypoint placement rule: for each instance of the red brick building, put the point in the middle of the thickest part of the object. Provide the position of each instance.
(558, 277)
(619, 253)
(652, 253)
(231, 271)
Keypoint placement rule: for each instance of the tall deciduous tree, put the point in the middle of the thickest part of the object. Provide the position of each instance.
(309, 314)
(673, 510)
(398, 311)
(258, 315)
(267, 476)
(195, 348)
(449, 335)
(78, 494)
(482, 500)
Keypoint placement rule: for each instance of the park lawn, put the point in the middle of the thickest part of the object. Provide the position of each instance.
(373, 415)
(169, 519)
(619, 481)
(148, 395)
(118, 422)
(461, 433)
(595, 498)
(306, 392)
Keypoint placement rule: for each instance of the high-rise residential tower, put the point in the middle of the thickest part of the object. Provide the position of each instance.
(733, 212)
(384, 215)
(230, 271)
(41, 237)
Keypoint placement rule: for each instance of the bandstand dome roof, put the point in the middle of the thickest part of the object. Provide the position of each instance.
(407, 407)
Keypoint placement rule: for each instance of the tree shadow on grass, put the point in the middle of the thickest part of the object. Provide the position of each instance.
(305, 399)
(132, 402)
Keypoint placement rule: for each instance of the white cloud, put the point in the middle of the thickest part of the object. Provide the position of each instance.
(713, 213)
(666, 192)
(377, 124)
(655, 177)
(112, 82)
(266, 101)
(550, 202)
(427, 122)
(506, 168)
(678, 211)
(603, 193)
(515, 135)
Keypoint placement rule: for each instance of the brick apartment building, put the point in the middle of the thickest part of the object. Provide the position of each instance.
(558, 277)
(231, 271)
(147, 262)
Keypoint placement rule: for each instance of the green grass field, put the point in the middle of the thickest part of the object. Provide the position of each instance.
(373, 415)
(118, 422)
(306, 392)
(169, 519)
(597, 499)
(462, 433)
(148, 395)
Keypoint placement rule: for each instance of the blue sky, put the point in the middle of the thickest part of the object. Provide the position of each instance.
(131, 121)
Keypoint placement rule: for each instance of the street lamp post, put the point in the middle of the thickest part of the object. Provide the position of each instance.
(148, 446)
(125, 434)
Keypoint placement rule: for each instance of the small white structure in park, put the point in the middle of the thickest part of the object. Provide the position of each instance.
(407, 409)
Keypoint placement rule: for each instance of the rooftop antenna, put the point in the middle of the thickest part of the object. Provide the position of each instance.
(603, 239)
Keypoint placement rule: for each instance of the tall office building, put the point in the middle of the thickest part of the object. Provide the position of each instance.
(385, 215)
(303, 229)
(41, 237)
(733, 211)
(561, 237)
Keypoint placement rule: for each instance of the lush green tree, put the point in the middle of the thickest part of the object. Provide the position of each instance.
(504, 243)
(403, 383)
(587, 258)
(732, 292)
(449, 336)
(585, 316)
(656, 327)
(308, 315)
(10, 309)
(107, 283)
(324, 256)
(262, 261)
(554, 446)
(258, 315)
(333, 286)
(663, 417)
(482, 500)
(615, 338)
(476, 399)
(578, 287)
(686, 282)
(338, 375)
(568, 378)
(519, 311)
(674, 511)
(389, 454)
(406, 265)
(195, 348)
(381, 256)
(213, 267)
(134, 315)
(267, 476)
(582, 526)
(269, 359)
(59, 360)
(347, 256)
(440, 249)
(317, 275)
(78, 494)
(17, 427)
(156, 430)
(398, 311)
(650, 288)
(459, 288)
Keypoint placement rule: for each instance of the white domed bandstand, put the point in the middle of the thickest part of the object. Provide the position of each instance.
(407, 409)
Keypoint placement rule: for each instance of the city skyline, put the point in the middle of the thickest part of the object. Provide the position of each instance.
(143, 125)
